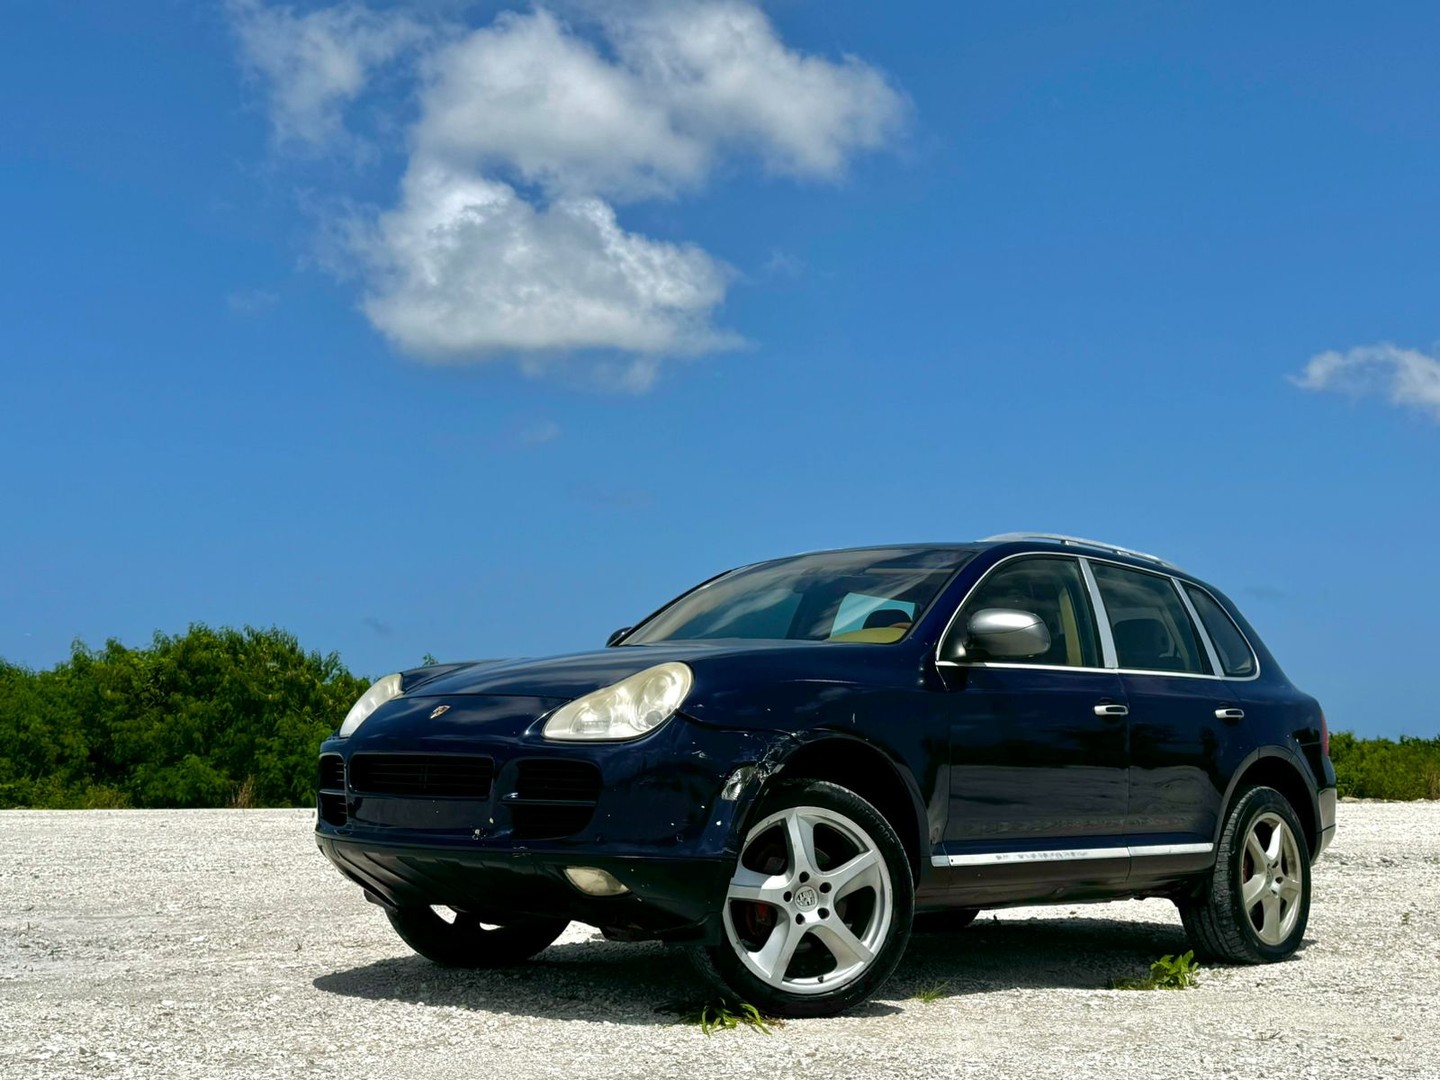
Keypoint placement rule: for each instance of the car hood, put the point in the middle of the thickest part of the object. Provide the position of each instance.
(579, 673)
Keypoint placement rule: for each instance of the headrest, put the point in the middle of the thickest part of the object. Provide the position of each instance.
(1144, 637)
(885, 617)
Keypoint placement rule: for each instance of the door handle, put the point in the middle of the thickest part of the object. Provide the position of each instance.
(1112, 710)
(1229, 714)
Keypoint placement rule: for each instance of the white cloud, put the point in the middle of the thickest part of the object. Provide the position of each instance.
(504, 240)
(316, 64)
(464, 269)
(1404, 376)
(529, 97)
(727, 78)
(688, 82)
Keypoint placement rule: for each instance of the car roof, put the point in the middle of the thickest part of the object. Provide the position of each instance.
(1033, 541)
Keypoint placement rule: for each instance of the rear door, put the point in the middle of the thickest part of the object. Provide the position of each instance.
(1182, 713)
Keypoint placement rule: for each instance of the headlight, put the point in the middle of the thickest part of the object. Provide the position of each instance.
(379, 693)
(628, 709)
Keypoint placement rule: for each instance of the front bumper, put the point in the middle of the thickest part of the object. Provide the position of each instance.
(657, 818)
(670, 898)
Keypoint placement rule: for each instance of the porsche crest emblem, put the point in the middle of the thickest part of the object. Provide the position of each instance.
(439, 710)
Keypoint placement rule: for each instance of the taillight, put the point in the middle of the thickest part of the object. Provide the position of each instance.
(1324, 735)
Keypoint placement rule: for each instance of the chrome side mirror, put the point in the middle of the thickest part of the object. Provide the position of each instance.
(1002, 634)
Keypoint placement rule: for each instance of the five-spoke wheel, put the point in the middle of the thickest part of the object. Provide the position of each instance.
(1271, 878)
(818, 910)
(1256, 903)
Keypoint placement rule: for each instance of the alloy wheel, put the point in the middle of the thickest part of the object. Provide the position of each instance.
(810, 905)
(1270, 878)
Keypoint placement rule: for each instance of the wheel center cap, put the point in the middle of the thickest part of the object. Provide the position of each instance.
(806, 898)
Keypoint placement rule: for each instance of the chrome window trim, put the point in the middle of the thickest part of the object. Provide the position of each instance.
(1129, 851)
(950, 624)
(1186, 674)
(1214, 667)
(1108, 656)
(1202, 634)
(1254, 656)
(1151, 672)
(1079, 541)
(1031, 667)
(1091, 670)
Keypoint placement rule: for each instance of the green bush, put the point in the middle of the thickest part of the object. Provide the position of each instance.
(1386, 769)
(208, 718)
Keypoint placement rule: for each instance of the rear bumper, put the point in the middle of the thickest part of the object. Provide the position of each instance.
(1325, 803)
(673, 898)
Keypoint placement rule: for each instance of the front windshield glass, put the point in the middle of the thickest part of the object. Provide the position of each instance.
(847, 596)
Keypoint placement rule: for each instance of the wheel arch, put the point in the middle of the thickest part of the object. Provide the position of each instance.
(1281, 769)
(870, 773)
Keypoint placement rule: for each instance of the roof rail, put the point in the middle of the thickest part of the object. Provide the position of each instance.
(1080, 541)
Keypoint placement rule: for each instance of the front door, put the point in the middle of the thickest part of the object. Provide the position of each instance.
(1038, 744)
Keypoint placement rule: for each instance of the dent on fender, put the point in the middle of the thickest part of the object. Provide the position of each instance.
(747, 781)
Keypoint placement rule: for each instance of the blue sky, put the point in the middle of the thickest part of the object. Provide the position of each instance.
(481, 331)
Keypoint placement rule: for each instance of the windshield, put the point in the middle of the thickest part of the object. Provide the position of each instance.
(847, 596)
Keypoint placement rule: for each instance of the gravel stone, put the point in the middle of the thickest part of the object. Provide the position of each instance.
(217, 943)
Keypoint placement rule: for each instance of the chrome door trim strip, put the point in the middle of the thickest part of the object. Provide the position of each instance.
(1171, 849)
(1010, 858)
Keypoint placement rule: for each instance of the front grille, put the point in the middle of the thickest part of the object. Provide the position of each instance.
(552, 798)
(425, 775)
(332, 773)
(543, 779)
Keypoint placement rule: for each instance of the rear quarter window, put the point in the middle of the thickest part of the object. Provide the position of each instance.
(1234, 651)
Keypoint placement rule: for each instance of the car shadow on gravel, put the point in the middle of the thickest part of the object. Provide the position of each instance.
(1032, 954)
(648, 983)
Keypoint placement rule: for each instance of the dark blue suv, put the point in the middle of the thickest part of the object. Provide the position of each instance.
(785, 767)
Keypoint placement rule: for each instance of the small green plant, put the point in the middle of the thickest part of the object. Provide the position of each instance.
(1167, 973)
(724, 1015)
(930, 992)
(1405, 918)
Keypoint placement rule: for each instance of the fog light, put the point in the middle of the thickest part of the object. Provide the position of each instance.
(595, 882)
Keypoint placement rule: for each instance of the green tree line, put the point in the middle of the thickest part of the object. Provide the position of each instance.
(208, 718)
(1385, 768)
(234, 718)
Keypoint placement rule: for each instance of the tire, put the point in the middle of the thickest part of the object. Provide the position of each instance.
(844, 923)
(1254, 908)
(945, 922)
(465, 943)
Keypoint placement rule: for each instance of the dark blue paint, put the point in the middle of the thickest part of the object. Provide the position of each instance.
(975, 760)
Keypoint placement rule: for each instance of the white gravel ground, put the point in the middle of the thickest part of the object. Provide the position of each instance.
(220, 943)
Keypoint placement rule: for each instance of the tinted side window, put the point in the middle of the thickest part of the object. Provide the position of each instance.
(1235, 655)
(1052, 588)
(1151, 627)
